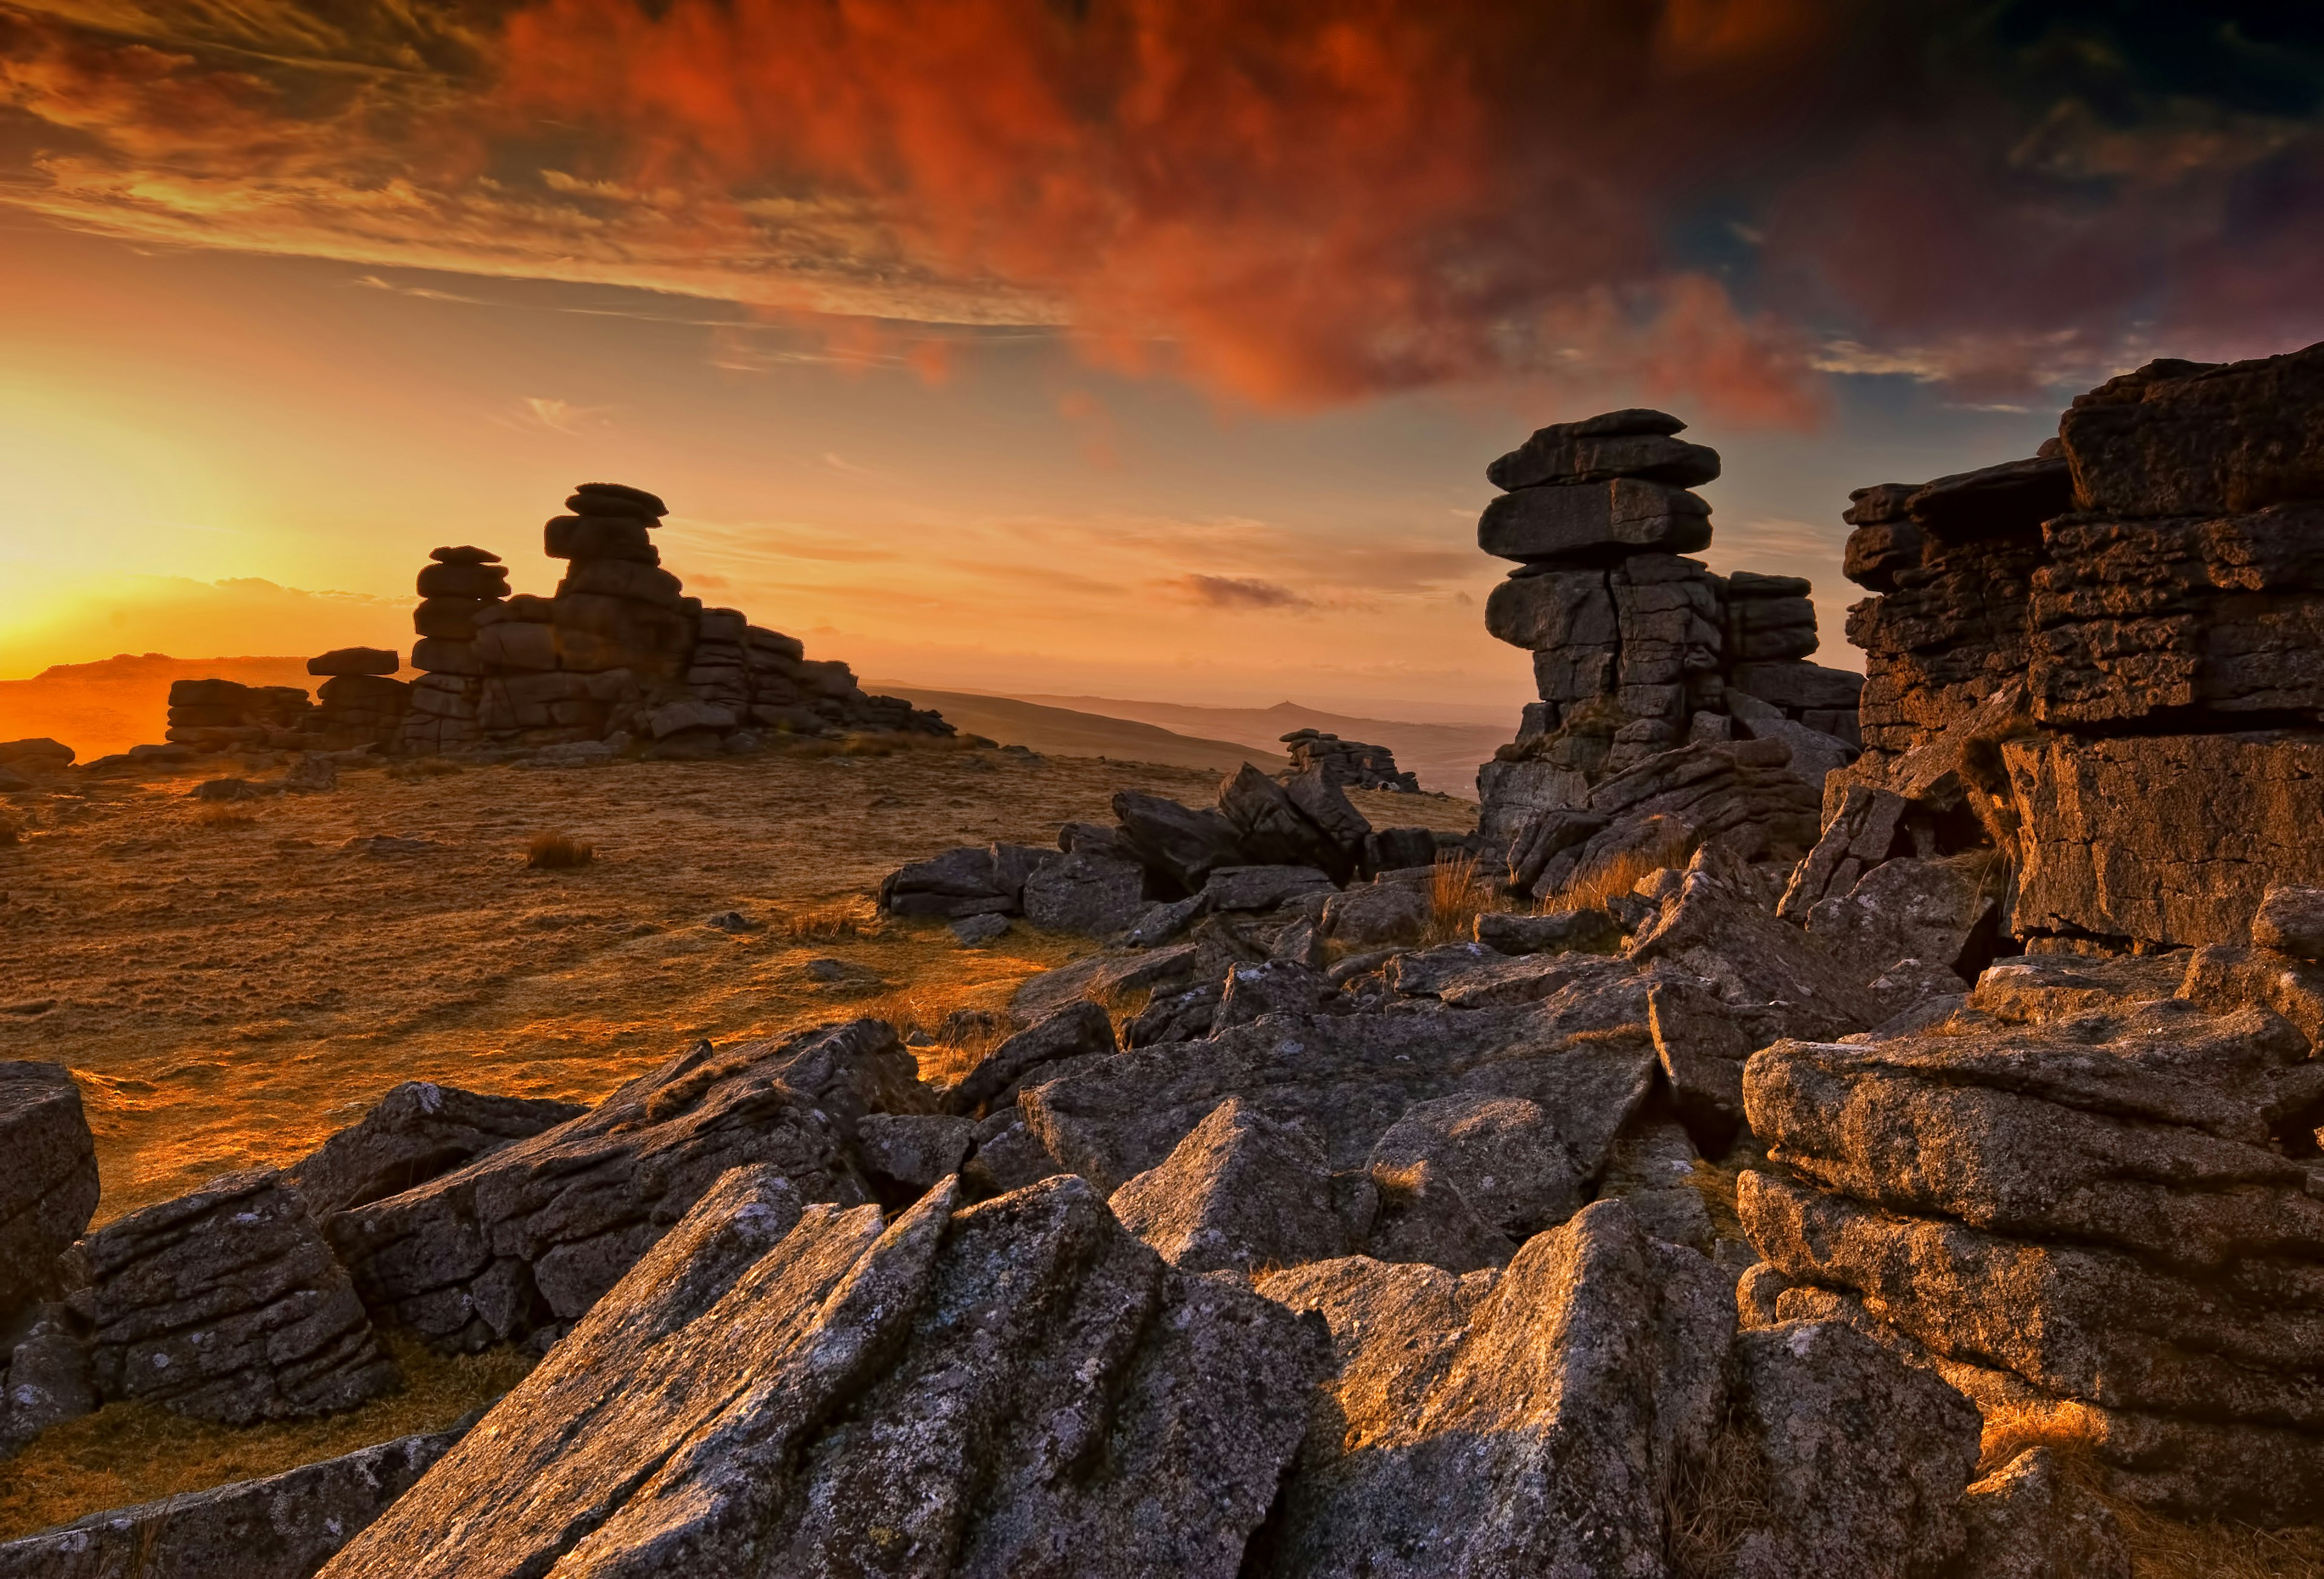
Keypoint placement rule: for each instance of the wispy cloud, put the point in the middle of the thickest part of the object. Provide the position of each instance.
(1237, 593)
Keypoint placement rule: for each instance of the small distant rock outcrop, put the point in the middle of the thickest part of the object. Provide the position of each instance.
(1348, 764)
(617, 658)
(1638, 651)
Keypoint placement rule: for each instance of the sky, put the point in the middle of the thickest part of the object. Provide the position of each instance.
(1131, 348)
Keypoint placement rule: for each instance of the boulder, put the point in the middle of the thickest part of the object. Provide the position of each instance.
(464, 580)
(1346, 1078)
(1620, 516)
(1797, 686)
(1911, 907)
(1862, 1458)
(282, 1526)
(46, 1379)
(225, 1305)
(47, 1178)
(616, 499)
(1377, 913)
(1076, 1030)
(912, 1152)
(2029, 1520)
(1178, 845)
(1262, 888)
(1562, 453)
(1240, 1192)
(1540, 1419)
(1710, 931)
(1545, 610)
(1305, 822)
(600, 536)
(38, 753)
(1652, 1170)
(527, 1237)
(1399, 850)
(1504, 1154)
(2291, 920)
(2190, 438)
(416, 1132)
(1274, 986)
(1558, 932)
(1420, 1214)
(971, 880)
(347, 660)
(1092, 894)
(778, 1390)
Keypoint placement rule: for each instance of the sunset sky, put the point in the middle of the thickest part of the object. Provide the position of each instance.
(1141, 347)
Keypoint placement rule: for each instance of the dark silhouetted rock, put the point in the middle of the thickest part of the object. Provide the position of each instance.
(349, 660)
(1558, 932)
(1094, 895)
(1179, 844)
(225, 1305)
(1581, 520)
(1377, 913)
(1564, 453)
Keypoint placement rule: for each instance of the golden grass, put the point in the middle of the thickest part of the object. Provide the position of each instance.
(1458, 893)
(559, 852)
(223, 814)
(132, 1452)
(1590, 889)
(1710, 1510)
(827, 923)
(419, 768)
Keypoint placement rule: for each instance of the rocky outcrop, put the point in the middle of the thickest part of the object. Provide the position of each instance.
(1348, 763)
(2081, 1182)
(2126, 635)
(225, 1305)
(1636, 650)
(220, 714)
(525, 1238)
(418, 1132)
(781, 1388)
(282, 1526)
(48, 1179)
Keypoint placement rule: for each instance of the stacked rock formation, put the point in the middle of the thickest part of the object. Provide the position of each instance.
(1348, 764)
(359, 702)
(2108, 661)
(1637, 650)
(220, 714)
(618, 654)
(460, 589)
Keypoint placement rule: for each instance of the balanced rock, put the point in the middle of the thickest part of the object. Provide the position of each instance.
(1573, 521)
(350, 660)
(617, 499)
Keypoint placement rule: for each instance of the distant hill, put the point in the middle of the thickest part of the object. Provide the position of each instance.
(1071, 732)
(1447, 756)
(123, 701)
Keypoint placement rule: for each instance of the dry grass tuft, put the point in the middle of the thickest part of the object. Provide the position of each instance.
(1713, 1506)
(225, 814)
(1590, 889)
(130, 1453)
(967, 1022)
(559, 852)
(826, 923)
(1458, 893)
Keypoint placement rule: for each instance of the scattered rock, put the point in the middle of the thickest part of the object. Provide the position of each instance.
(912, 1152)
(976, 931)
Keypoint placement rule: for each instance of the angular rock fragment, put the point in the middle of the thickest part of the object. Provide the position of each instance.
(912, 1152)
(1276, 987)
(1180, 845)
(282, 1526)
(47, 1178)
(1618, 515)
(1090, 894)
(1539, 1420)
(528, 1236)
(1864, 1458)
(225, 1305)
(2027, 1520)
(414, 1133)
(1014, 1386)
(1076, 1031)
(1240, 1192)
